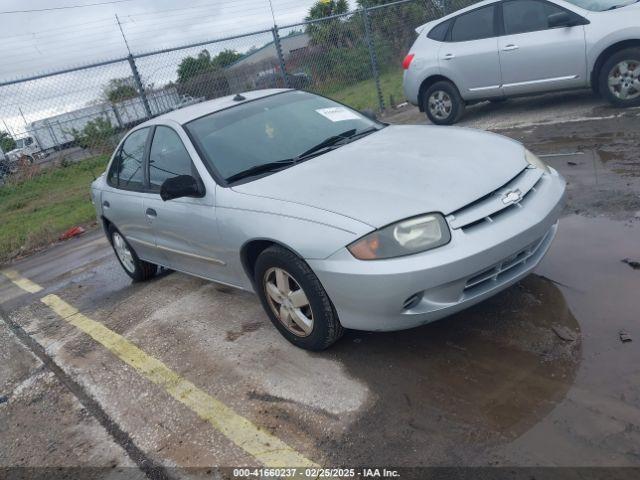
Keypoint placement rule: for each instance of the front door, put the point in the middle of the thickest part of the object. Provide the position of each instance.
(185, 229)
(537, 58)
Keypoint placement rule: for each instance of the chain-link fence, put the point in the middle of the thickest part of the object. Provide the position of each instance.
(354, 57)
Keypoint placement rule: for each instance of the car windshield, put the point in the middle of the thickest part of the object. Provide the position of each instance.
(601, 5)
(275, 132)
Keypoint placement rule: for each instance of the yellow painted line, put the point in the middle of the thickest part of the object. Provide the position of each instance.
(24, 283)
(269, 450)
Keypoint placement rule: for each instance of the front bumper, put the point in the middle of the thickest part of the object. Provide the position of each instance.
(407, 292)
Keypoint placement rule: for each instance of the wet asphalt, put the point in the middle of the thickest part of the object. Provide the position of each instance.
(536, 376)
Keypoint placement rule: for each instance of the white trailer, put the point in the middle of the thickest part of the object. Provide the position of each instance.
(56, 132)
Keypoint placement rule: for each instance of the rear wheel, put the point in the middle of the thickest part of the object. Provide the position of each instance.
(137, 269)
(620, 78)
(295, 300)
(443, 104)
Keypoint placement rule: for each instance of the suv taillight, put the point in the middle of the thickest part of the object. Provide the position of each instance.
(407, 61)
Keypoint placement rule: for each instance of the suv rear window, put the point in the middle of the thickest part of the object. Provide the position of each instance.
(439, 32)
(474, 25)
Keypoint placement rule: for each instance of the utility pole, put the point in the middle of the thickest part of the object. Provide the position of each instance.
(23, 119)
(273, 15)
(124, 37)
(135, 72)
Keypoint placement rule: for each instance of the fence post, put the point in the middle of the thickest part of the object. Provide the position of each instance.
(373, 56)
(283, 66)
(140, 86)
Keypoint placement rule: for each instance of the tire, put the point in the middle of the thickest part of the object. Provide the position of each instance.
(629, 80)
(322, 327)
(451, 107)
(138, 270)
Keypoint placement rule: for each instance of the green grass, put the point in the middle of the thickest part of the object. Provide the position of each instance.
(34, 212)
(363, 95)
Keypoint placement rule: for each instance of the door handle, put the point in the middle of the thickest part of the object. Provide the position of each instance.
(449, 56)
(151, 213)
(106, 204)
(510, 48)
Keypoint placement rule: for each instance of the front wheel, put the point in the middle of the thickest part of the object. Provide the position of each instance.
(620, 78)
(295, 300)
(443, 104)
(137, 269)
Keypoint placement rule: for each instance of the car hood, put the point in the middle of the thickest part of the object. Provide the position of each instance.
(397, 173)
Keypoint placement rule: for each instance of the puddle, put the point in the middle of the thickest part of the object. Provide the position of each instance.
(482, 376)
(505, 380)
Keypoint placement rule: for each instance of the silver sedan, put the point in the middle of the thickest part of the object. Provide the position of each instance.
(334, 219)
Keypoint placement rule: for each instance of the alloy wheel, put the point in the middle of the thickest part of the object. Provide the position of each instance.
(123, 252)
(624, 80)
(440, 104)
(288, 302)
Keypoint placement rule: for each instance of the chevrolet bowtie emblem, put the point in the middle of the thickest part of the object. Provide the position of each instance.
(513, 196)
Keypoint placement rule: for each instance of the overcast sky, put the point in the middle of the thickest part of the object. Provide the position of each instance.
(38, 42)
(41, 41)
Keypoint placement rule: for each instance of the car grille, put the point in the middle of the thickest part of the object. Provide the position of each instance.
(507, 268)
(488, 208)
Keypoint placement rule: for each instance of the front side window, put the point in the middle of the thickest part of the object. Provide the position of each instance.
(522, 16)
(168, 158)
(474, 25)
(273, 132)
(127, 169)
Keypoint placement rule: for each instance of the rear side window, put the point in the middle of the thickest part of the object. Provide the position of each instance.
(439, 32)
(127, 169)
(168, 158)
(474, 25)
(522, 16)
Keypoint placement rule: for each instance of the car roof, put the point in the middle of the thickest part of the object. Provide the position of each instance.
(186, 114)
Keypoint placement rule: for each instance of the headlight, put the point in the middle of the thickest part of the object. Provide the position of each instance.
(410, 236)
(534, 161)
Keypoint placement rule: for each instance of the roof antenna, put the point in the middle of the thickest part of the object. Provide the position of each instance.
(239, 98)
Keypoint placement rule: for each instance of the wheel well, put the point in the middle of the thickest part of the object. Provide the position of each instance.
(250, 253)
(105, 225)
(251, 250)
(616, 47)
(426, 84)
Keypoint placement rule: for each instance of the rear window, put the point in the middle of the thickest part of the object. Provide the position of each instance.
(474, 25)
(439, 32)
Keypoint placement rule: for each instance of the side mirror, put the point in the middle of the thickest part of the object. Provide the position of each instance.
(370, 114)
(181, 186)
(561, 19)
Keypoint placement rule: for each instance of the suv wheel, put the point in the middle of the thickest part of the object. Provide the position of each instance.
(295, 300)
(137, 269)
(443, 103)
(620, 78)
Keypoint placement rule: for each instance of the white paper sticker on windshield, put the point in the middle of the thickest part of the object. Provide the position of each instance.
(338, 114)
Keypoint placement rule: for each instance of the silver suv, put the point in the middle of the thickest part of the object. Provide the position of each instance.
(499, 49)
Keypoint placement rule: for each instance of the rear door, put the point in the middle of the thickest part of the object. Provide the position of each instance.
(185, 229)
(123, 201)
(536, 57)
(469, 57)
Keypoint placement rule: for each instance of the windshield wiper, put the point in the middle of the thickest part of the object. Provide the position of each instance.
(263, 168)
(329, 142)
(622, 5)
